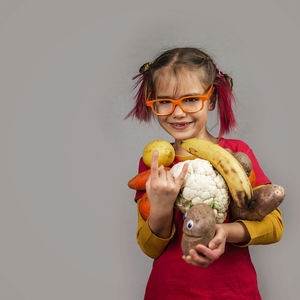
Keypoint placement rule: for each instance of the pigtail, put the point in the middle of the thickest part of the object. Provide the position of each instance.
(140, 111)
(226, 101)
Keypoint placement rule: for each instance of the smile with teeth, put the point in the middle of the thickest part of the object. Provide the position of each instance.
(180, 125)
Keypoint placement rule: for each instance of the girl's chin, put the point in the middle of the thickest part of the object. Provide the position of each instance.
(182, 132)
(181, 135)
(184, 135)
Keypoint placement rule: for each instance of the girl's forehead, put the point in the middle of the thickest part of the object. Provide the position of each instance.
(176, 84)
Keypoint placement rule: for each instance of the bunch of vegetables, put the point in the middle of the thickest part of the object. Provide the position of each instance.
(216, 179)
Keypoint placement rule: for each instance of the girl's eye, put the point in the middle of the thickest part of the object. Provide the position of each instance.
(190, 224)
(165, 102)
(191, 99)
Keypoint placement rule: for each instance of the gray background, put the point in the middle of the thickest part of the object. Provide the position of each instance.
(67, 218)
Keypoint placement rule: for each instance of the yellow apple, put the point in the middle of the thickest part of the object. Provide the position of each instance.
(166, 153)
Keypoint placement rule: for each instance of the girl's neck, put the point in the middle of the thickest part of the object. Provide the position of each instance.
(180, 151)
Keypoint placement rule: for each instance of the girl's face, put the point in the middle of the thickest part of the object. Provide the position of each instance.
(179, 124)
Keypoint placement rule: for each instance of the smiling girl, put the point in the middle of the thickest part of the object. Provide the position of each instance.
(179, 88)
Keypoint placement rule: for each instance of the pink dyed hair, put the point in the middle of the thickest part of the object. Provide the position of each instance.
(226, 102)
(195, 59)
(140, 111)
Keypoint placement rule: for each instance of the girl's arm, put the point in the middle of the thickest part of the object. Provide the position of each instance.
(241, 233)
(267, 231)
(162, 189)
(151, 244)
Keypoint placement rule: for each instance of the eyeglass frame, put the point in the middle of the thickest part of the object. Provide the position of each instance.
(204, 98)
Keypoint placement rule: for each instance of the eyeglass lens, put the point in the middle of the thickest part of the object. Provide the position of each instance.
(190, 104)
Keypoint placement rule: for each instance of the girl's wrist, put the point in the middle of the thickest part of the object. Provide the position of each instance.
(161, 209)
(160, 215)
(160, 226)
(236, 233)
(226, 230)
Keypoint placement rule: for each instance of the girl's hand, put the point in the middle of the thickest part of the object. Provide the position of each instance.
(203, 256)
(162, 188)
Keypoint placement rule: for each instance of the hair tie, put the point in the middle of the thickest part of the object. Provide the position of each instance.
(220, 74)
(147, 65)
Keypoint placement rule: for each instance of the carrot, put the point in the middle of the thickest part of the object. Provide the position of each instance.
(144, 206)
(138, 182)
(252, 178)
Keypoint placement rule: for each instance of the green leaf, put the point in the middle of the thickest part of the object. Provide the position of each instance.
(212, 204)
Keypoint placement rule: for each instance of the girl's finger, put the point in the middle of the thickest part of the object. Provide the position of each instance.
(199, 259)
(148, 183)
(180, 178)
(162, 173)
(154, 164)
(218, 239)
(188, 259)
(208, 253)
(215, 243)
(170, 177)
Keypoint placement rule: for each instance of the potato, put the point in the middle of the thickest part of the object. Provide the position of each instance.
(265, 199)
(198, 228)
(245, 161)
(166, 153)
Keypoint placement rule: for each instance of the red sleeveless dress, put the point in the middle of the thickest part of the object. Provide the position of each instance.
(232, 276)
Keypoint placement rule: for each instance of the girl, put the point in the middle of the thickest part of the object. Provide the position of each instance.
(223, 270)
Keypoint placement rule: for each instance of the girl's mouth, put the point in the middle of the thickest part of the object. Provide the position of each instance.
(180, 125)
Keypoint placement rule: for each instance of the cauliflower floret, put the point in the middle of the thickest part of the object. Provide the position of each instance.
(202, 184)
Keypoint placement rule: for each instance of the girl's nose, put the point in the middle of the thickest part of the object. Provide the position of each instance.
(178, 112)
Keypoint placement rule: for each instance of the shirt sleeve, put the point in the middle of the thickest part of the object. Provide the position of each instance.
(270, 229)
(267, 231)
(151, 244)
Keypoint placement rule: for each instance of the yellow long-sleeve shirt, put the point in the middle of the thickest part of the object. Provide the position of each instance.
(267, 231)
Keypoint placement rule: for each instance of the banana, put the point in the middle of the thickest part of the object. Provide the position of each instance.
(227, 165)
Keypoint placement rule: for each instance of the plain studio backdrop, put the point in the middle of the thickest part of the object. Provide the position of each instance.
(68, 220)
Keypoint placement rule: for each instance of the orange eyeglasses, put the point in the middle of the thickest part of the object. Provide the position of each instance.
(189, 104)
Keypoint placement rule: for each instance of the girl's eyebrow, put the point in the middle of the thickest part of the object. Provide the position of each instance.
(187, 95)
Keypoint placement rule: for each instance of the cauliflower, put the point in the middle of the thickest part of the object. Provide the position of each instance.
(202, 184)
